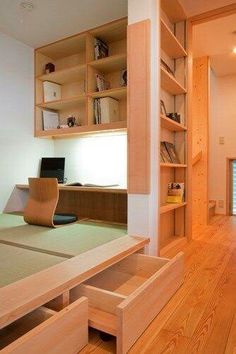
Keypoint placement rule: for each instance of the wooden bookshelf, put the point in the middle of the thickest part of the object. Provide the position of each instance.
(170, 43)
(83, 130)
(175, 219)
(169, 124)
(75, 69)
(64, 76)
(170, 84)
(172, 165)
(170, 206)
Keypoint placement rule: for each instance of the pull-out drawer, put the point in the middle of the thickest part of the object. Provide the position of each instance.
(126, 297)
(47, 331)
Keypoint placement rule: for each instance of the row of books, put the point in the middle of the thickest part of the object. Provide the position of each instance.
(101, 49)
(106, 110)
(168, 153)
(175, 193)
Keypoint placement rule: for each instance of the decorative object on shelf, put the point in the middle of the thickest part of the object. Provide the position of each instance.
(101, 49)
(71, 121)
(172, 152)
(123, 78)
(174, 116)
(167, 68)
(175, 193)
(49, 68)
(106, 110)
(162, 107)
(102, 83)
(50, 119)
(51, 91)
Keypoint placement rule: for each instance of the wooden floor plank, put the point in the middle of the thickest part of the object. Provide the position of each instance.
(231, 343)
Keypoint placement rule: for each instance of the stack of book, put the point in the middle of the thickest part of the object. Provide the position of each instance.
(175, 193)
(100, 49)
(102, 83)
(168, 153)
(106, 110)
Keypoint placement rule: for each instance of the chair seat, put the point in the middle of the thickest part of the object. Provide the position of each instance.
(62, 219)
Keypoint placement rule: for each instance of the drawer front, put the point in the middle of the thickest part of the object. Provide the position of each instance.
(64, 332)
(136, 312)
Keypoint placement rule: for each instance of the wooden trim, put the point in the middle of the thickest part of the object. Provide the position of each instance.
(213, 14)
(197, 158)
(139, 107)
(229, 184)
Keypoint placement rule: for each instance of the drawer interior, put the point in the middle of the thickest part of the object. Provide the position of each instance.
(20, 327)
(126, 276)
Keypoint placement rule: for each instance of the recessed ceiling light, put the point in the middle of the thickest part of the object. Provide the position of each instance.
(234, 50)
(27, 5)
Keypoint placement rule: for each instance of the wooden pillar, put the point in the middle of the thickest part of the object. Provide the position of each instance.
(200, 140)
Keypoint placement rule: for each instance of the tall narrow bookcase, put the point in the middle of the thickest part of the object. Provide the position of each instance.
(174, 218)
(75, 71)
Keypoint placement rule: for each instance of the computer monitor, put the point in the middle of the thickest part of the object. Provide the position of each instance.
(53, 167)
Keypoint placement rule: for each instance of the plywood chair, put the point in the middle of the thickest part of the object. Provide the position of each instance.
(42, 202)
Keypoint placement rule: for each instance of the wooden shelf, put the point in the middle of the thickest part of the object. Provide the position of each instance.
(172, 165)
(63, 104)
(171, 125)
(73, 74)
(170, 44)
(83, 130)
(170, 84)
(174, 10)
(65, 47)
(171, 206)
(117, 93)
(110, 64)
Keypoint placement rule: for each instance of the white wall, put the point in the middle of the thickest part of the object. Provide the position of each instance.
(20, 152)
(143, 217)
(100, 159)
(222, 124)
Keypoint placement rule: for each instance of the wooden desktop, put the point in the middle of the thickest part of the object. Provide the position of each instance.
(107, 204)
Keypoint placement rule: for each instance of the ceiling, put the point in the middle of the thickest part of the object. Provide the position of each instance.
(51, 20)
(217, 39)
(195, 7)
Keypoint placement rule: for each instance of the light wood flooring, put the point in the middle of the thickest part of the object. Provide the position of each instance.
(201, 317)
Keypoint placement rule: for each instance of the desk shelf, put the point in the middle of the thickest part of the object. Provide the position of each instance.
(75, 70)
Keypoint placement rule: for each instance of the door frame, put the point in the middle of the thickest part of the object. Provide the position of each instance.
(228, 199)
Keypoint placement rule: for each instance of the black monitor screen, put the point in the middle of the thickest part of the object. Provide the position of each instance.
(53, 167)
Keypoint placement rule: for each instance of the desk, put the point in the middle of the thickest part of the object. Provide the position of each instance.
(108, 204)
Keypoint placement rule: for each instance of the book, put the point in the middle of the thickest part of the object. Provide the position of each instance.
(172, 152)
(175, 193)
(50, 119)
(123, 78)
(51, 91)
(109, 110)
(101, 49)
(102, 83)
(164, 153)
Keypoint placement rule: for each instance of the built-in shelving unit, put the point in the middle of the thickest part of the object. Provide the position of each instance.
(174, 220)
(75, 71)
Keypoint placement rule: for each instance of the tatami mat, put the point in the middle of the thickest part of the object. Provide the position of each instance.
(17, 263)
(69, 240)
